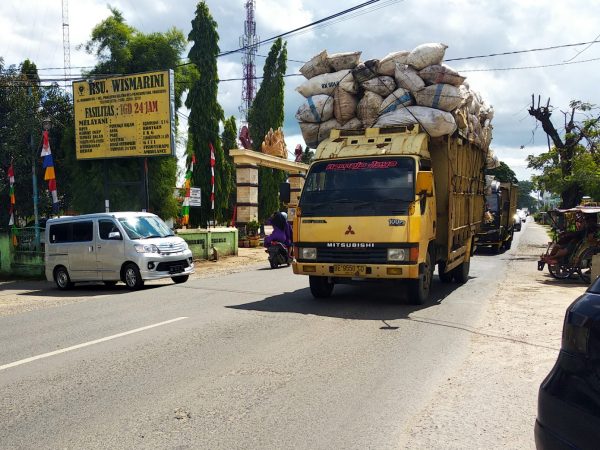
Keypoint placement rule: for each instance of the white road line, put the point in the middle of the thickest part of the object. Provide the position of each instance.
(86, 344)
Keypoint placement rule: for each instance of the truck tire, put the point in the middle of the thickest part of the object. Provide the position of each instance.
(444, 277)
(418, 290)
(461, 272)
(320, 287)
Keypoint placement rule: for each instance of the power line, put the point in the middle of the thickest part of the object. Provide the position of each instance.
(530, 67)
(581, 51)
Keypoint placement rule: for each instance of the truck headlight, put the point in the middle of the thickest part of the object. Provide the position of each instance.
(308, 253)
(397, 254)
(144, 248)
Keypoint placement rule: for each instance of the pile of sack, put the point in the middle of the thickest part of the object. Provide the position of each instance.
(403, 88)
(274, 144)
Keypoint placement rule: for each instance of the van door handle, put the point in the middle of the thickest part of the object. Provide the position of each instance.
(99, 246)
(91, 248)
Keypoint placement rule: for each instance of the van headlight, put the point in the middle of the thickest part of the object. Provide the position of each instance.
(307, 253)
(144, 248)
(397, 254)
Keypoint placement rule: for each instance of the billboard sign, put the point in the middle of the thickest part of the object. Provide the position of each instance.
(125, 116)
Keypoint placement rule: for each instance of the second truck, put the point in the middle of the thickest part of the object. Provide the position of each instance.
(389, 204)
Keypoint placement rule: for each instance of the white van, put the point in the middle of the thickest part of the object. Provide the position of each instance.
(123, 246)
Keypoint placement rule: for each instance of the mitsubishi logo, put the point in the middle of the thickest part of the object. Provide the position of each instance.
(349, 230)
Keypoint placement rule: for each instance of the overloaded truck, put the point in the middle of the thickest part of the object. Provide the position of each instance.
(498, 227)
(389, 204)
(397, 183)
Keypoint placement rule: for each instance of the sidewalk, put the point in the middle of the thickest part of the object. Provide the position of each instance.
(27, 295)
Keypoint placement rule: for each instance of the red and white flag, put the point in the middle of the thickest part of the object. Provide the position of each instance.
(212, 176)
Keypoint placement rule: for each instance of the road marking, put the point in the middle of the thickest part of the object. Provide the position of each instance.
(86, 344)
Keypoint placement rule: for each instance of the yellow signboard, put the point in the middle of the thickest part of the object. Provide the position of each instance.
(124, 116)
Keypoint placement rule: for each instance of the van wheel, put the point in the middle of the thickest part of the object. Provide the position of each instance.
(62, 279)
(132, 277)
(320, 287)
(180, 279)
(418, 290)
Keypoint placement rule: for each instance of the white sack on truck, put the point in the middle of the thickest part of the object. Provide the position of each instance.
(327, 83)
(318, 108)
(439, 96)
(344, 105)
(397, 99)
(382, 85)
(365, 71)
(435, 122)
(368, 108)
(387, 65)
(316, 66)
(408, 78)
(343, 61)
(426, 55)
(353, 124)
(314, 133)
(441, 73)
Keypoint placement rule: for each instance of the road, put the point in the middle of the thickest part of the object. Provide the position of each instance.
(246, 360)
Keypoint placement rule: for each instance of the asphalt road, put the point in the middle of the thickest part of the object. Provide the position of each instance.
(247, 360)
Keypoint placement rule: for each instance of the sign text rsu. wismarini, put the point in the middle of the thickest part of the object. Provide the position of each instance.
(124, 116)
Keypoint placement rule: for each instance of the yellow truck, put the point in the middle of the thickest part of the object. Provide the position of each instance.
(388, 204)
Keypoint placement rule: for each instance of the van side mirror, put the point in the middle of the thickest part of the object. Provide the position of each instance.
(285, 192)
(114, 235)
(425, 183)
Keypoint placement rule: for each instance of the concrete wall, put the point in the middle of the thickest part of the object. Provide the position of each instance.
(5, 253)
(201, 241)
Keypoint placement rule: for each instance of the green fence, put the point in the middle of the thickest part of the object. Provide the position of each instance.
(26, 259)
(202, 241)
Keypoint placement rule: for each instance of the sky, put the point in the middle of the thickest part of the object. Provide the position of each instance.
(32, 29)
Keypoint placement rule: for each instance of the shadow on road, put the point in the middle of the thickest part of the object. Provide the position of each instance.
(354, 302)
(47, 289)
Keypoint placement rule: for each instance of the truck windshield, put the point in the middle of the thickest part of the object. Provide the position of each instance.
(145, 227)
(356, 187)
(491, 202)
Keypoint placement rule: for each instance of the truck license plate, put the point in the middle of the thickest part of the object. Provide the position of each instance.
(349, 269)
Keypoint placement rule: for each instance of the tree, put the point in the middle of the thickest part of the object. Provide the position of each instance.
(524, 199)
(121, 48)
(503, 173)
(267, 112)
(571, 167)
(205, 115)
(229, 183)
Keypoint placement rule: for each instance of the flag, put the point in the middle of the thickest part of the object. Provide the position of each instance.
(49, 174)
(11, 211)
(212, 176)
(185, 207)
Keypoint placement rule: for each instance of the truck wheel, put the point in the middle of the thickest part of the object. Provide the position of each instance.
(418, 290)
(62, 279)
(320, 287)
(461, 272)
(444, 277)
(132, 276)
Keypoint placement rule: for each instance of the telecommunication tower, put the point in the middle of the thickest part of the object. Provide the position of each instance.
(66, 42)
(249, 42)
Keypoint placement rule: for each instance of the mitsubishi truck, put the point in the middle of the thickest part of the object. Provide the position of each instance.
(498, 227)
(389, 204)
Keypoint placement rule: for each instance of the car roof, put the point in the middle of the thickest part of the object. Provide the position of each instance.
(112, 215)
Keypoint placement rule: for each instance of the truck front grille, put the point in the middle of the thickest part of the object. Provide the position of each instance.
(352, 255)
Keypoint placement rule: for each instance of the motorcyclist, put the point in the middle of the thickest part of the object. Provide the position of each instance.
(282, 232)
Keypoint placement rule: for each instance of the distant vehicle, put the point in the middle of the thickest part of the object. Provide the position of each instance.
(569, 398)
(517, 222)
(123, 246)
(501, 206)
(522, 215)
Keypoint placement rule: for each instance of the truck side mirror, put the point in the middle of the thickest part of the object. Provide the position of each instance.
(425, 183)
(284, 192)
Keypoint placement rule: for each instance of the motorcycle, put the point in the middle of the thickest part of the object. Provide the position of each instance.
(278, 254)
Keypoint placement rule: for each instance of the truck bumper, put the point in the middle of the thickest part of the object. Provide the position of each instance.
(374, 271)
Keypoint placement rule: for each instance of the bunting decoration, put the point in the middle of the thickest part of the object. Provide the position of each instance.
(11, 211)
(49, 174)
(212, 176)
(185, 210)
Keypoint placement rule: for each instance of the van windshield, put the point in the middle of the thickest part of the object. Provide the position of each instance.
(145, 227)
(356, 187)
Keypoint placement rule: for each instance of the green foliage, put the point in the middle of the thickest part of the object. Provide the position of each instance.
(267, 112)
(205, 115)
(229, 183)
(524, 200)
(120, 48)
(503, 173)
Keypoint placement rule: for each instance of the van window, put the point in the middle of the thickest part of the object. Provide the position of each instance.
(72, 232)
(105, 227)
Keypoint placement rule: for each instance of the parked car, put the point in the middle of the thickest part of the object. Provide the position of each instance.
(517, 222)
(569, 398)
(522, 215)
